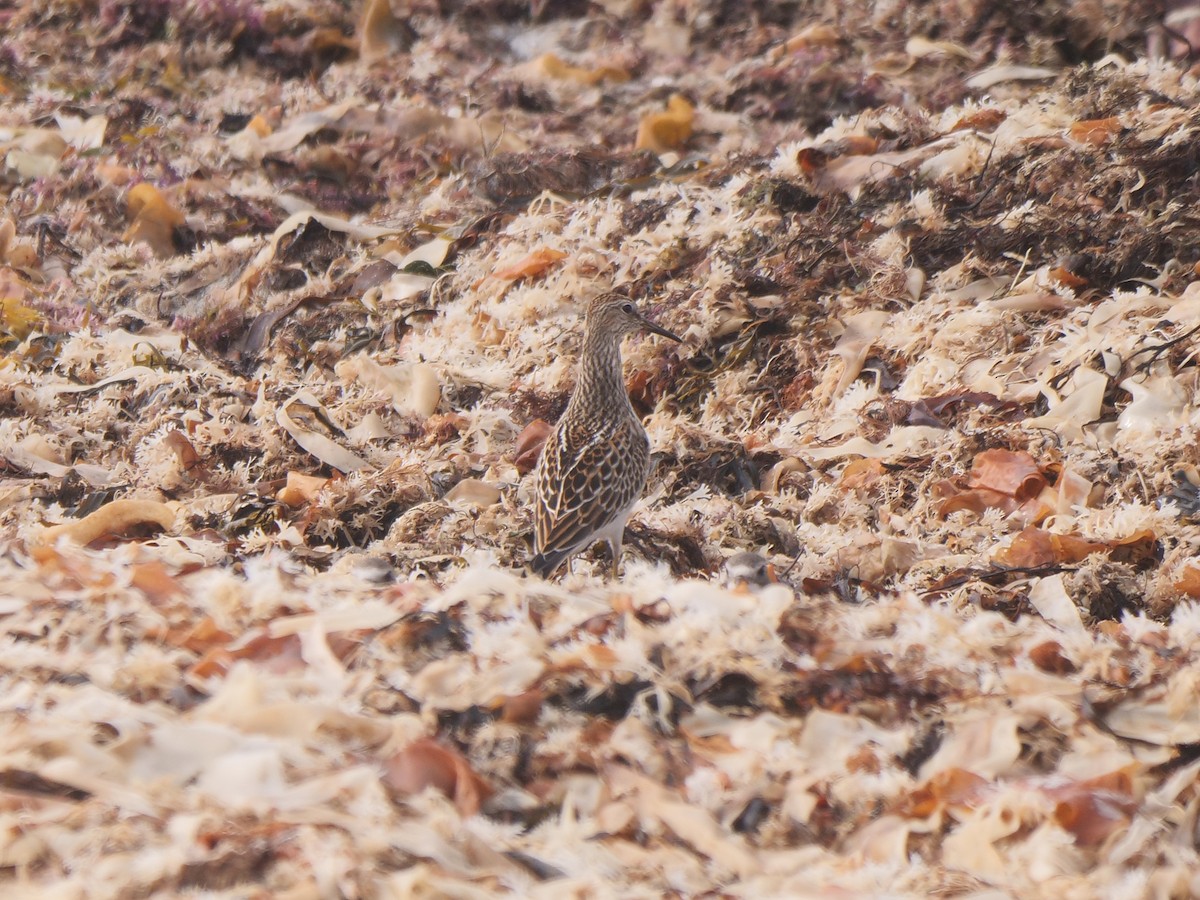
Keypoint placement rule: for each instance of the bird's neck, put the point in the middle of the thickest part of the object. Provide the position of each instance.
(601, 382)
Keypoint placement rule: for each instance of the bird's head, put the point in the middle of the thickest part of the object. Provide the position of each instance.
(618, 316)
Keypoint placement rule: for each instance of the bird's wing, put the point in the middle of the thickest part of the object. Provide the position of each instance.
(580, 493)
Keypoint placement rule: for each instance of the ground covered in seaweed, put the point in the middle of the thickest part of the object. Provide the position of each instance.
(289, 294)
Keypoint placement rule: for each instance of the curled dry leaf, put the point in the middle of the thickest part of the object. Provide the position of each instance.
(17, 254)
(305, 406)
(111, 519)
(381, 34)
(529, 444)
(1094, 809)
(277, 655)
(1010, 472)
(1096, 131)
(474, 492)
(183, 449)
(663, 131)
(152, 218)
(17, 319)
(815, 35)
(985, 120)
(426, 763)
(300, 489)
(775, 475)
(952, 787)
(1048, 656)
(1187, 580)
(920, 47)
(999, 479)
(523, 709)
(551, 66)
(531, 266)
(414, 389)
(861, 475)
(201, 637)
(155, 581)
(1035, 547)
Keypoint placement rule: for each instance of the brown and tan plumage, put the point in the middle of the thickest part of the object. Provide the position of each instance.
(595, 463)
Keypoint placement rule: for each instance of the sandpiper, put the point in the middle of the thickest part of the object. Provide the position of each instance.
(596, 461)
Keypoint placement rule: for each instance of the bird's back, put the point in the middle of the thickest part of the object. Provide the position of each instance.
(592, 471)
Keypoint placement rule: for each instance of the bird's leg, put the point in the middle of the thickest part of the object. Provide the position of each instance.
(614, 548)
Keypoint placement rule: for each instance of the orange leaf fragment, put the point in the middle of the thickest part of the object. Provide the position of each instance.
(529, 446)
(1049, 657)
(953, 787)
(153, 580)
(1035, 547)
(815, 35)
(523, 709)
(861, 475)
(534, 264)
(1007, 480)
(985, 120)
(1187, 580)
(183, 449)
(300, 489)
(1010, 472)
(380, 33)
(1067, 278)
(278, 655)
(199, 638)
(974, 501)
(426, 763)
(259, 126)
(1095, 131)
(670, 130)
(552, 66)
(153, 219)
(811, 160)
(1093, 810)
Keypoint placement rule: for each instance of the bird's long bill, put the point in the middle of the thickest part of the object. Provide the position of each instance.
(650, 326)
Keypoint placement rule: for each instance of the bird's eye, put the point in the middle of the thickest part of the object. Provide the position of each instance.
(628, 307)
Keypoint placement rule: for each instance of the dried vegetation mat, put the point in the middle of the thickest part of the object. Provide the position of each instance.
(288, 295)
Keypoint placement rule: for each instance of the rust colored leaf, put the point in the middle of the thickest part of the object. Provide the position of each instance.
(953, 787)
(155, 581)
(199, 638)
(1012, 472)
(985, 120)
(152, 219)
(426, 763)
(1067, 278)
(300, 489)
(277, 655)
(1095, 131)
(861, 475)
(1187, 580)
(183, 449)
(1093, 810)
(523, 709)
(552, 66)
(975, 501)
(811, 160)
(1035, 547)
(670, 130)
(442, 428)
(532, 265)
(529, 446)
(1049, 657)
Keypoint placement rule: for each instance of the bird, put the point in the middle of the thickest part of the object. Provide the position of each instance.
(595, 462)
(748, 571)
